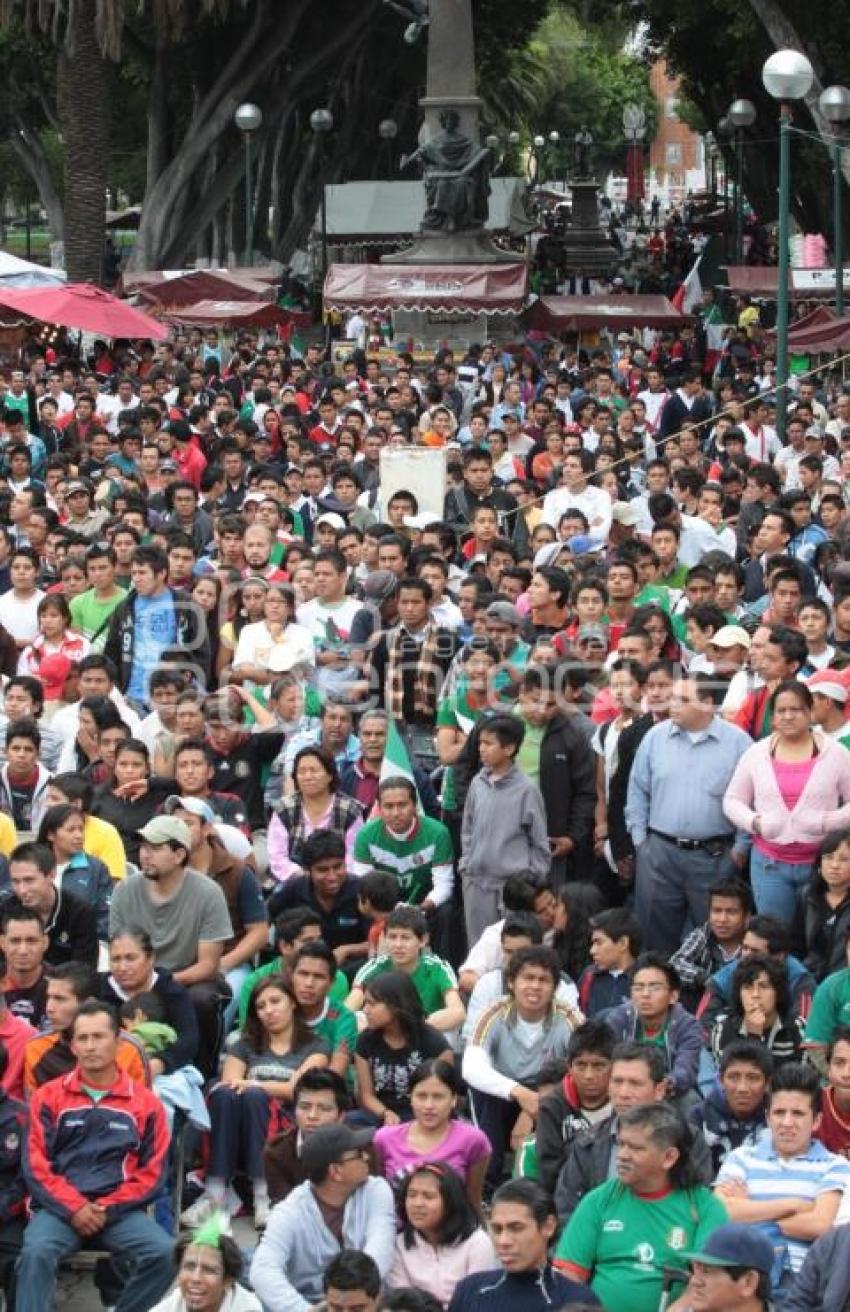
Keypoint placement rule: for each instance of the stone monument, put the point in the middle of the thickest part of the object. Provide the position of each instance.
(456, 167)
(587, 251)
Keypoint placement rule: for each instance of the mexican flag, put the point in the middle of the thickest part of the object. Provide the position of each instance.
(688, 298)
(396, 763)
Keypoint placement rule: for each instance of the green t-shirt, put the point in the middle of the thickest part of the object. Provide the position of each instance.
(411, 860)
(526, 1166)
(830, 1007)
(337, 995)
(677, 579)
(528, 756)
(89, 615)
(456, 713)
(653, 594)
(338, 1025)
(432, 978)
(622, 1241)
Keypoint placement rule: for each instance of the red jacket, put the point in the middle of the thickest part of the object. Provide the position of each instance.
(191, 463)
(112, 1152)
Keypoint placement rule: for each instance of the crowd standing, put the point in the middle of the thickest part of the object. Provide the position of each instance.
(461, 891)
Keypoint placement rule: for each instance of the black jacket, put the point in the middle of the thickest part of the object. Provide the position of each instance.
(13, 1120)
(587, 1165)
(560, 1121)
(825, 933)
(462, 502)
(627, 744)
(568, 785)
(192, 636)
(179, 1014)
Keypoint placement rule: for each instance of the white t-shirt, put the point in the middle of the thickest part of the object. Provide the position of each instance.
(20, 617)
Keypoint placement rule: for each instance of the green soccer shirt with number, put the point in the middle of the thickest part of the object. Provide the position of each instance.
(618, 1240)
(421, 860)
(432, 978)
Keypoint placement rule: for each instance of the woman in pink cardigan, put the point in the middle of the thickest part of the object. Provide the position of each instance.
(788, 791)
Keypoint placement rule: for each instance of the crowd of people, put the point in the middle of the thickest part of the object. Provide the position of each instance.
(459, 891)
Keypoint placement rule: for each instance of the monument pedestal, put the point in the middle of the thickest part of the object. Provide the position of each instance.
(587, 251)
(472, 247)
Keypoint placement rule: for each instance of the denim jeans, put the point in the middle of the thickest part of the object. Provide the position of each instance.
(777, 885)
(134, 1236)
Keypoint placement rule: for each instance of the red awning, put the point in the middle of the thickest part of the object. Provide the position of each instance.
(821, 338)
(444, 288)
(166, 289)
(762, 281)
(80, 305)
(229, 314)
(815, 318)
(562, 314)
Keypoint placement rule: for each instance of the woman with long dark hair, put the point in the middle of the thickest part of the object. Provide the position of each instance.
(761, 1011)
(63, 831)
(826, 907)
(396, 1041)
(259, 1075)
(132, 796)
(441, 1238)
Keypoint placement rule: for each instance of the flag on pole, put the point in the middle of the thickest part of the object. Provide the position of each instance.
(688, 296)
(396, 763)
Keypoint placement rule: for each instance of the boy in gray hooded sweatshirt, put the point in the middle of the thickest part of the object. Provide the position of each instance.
(503, 832)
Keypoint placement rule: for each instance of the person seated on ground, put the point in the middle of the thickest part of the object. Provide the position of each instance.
(209, 1264)
(522, 1227)
(413, 847)
(133, 972)
(63, 830)
(829, 1011)
(433, 978)
(94, 1159)
(713, 945)
(131, 796)
(311, 974)
(579, 1101)
(23, 779)
(519, 930)
(23, 944)
(655, 1015)
(70, 922)
(292, 930)
(261, 1068)
(655, 1201)
(813, 1180)
(614, 946)
(238, 883)
(826, 907)
(638, 1075)
(435, 1134)
(730, 1272)
(378, 897)
(101, 840)
(760, 1012)
(338, 1206)
(185, 916)
(144, 1017)
(352, 1279)
(764, 934)
(332, 894)
(315, 804)
(49, 1055)
(321, 1098)
(441, 1239)
(395, 1042)
(13, 1216)
(517, 895)
(834, 1126)
(734, 1109)
(504, 1055)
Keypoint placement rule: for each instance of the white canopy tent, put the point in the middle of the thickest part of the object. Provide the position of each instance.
(15, 272)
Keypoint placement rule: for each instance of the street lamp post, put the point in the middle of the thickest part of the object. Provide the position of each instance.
(787, 76)
(834, 103)
(321, 121)
(724, 127)
(248, 118)
(741, 114)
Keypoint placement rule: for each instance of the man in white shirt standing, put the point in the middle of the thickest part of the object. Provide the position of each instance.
(19, 606)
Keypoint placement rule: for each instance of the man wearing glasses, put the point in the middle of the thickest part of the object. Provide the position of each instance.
(339, 1206)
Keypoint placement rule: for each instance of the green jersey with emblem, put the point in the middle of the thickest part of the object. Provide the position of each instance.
(420, 859)
(620, 1240)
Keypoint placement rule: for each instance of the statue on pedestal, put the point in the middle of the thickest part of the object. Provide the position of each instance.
(456, 175)
(583, 141)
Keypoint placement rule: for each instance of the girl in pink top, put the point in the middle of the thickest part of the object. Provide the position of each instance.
(441, 1238)
(788, 791)
(434, 1135)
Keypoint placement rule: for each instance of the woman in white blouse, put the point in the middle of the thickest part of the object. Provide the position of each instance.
(276, 644)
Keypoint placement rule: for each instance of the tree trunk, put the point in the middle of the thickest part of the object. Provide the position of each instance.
(83, 83)
(28, 149)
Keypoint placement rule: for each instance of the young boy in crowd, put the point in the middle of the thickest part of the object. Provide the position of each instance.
(143, 1016)
(834, 1127)
(504, 825)
(577, 1103)
(734, 1110)
(379, 895)
(715, 944)
(614, 945)
(655, 1015)
(433, 978)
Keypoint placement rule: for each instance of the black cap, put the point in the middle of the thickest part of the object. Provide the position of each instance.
(329, 1143)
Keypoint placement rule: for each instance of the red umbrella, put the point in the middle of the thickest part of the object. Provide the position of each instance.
(80, 305)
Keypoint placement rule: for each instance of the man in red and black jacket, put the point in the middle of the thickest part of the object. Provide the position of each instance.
(13, 1118)
(95, 1157)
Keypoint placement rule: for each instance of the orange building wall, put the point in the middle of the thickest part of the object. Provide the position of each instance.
(676, 148)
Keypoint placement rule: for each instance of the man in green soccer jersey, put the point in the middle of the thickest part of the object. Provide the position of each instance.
(622, 1234)
(413, 847)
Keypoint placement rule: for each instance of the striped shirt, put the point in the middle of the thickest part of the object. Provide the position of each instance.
(767, 1176)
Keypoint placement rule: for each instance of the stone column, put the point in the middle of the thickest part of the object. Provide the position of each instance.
(451, 66)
